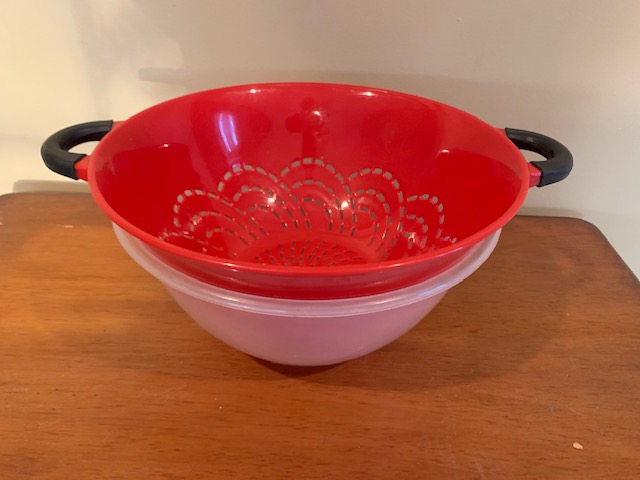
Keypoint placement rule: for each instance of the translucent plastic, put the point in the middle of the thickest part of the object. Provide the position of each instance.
(306, 332)
(304, 190)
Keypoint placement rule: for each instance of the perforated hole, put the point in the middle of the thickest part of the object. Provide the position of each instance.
(309, 253)
(235, 217)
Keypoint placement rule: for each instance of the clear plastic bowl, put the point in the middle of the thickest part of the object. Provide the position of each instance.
(305, 332)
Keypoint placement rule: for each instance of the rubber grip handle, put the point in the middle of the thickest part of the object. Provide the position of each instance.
(559, 161)
(55, 149)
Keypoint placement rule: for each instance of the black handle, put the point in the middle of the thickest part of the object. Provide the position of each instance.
(559, 160)
(55, 149)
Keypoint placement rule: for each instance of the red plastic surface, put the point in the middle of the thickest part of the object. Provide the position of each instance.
(82, 168)
(535, 175)
(306, 190)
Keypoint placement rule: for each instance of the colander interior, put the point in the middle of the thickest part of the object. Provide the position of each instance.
(307, 174)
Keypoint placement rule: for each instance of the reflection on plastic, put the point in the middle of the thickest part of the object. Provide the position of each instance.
(227, 131)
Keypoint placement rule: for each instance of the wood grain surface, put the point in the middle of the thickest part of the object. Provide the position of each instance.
(103, 376)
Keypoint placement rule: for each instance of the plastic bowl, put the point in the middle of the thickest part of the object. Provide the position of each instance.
(305, 332)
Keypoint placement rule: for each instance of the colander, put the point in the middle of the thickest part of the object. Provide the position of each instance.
(307, 190)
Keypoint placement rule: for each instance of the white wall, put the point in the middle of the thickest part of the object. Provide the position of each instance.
(567, 68)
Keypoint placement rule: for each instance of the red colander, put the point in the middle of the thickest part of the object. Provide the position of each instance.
(307, 190)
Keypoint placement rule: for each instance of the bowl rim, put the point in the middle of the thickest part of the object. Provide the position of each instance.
(176, 280)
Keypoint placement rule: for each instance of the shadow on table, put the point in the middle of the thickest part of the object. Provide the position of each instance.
(486, 327)
(450, 346)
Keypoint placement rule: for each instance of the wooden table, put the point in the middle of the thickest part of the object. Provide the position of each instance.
(528, 369)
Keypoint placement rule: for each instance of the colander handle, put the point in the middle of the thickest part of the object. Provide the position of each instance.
(559, 161)
(55, 149)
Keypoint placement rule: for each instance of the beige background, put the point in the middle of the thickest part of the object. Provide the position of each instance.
(566, 68)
